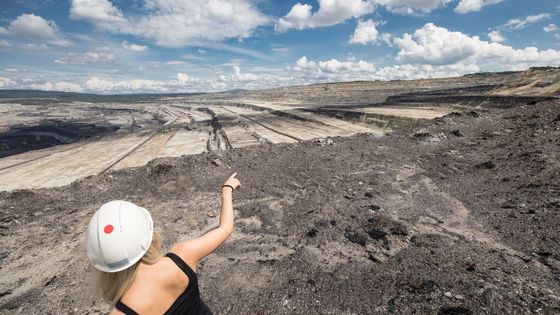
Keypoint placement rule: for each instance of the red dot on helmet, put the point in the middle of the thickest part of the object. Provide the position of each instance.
(108, 229)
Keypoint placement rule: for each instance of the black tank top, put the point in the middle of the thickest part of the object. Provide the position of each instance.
(188, 303)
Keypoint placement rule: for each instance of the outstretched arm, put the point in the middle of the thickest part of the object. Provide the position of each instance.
(194, 250)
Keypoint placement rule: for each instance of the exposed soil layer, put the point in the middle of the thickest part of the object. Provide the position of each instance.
(453, 97)
(460, 215)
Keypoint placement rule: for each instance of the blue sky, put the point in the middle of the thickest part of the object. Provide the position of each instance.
(119, 46)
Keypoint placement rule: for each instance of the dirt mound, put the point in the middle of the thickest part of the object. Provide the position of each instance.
(406, 224)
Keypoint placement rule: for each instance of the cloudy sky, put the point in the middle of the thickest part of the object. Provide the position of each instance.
(131, 46)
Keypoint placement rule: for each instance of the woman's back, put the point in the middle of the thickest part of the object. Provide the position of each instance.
(166, 286)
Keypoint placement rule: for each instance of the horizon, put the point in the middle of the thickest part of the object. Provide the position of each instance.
(272, 88)
(156, 47)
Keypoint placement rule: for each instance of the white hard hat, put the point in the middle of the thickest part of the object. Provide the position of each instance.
(118, 235)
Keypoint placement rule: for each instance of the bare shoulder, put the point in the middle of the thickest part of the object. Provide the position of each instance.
(115, 311)
(186, 250)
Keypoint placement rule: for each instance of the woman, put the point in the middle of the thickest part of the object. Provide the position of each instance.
(134, 275)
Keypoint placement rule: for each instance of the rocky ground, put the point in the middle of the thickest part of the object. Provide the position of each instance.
(458, 216)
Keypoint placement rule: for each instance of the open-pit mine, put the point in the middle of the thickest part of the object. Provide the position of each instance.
(436, 196)
(83, 138)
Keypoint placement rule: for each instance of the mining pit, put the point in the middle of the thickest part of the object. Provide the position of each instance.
(408, 197)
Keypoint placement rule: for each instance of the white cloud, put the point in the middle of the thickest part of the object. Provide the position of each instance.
(60, 42)
(412, 72)
(387, 39)
(303, 64)
(33, 46)
(67, 87)
(175, 63)
(238, 77)
(496, 37)
(412, 6)
(5, 44)
(336, 71)
(96, 10)
(365, 33)
(299, 17)
(175, 23)
(243, 51)
(192, 57)
(31, 26)
(333, 66)
(466, 6)
(136, 85)
(332, 70)
(99, 85)
(133, 47)
(87, 58)
(180, 23)
(183, 82)
(34, 28)
(183, 78)
(517, 24)
(243, 76)
(280, 50)
(58, 86)
(9, 83)
(550, 28)
(6, 83)
(433, 45)
(13, 70)
(430, 51)
(330, 12)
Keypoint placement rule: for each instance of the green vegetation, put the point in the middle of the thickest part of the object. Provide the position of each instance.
(544, 68)
(34, 97)
(165, 129)
(486, 74)
(191, 125)
(159, 117)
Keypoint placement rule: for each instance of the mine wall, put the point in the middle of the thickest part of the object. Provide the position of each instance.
(378, 120)
(269, 110)
(488, 101)
(346, 112)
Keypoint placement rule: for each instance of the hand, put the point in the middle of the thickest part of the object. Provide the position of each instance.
(232, 181)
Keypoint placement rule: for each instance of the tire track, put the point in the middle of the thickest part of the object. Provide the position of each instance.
(41, 157)
(133, 150)
(457, 221)
(264, 126)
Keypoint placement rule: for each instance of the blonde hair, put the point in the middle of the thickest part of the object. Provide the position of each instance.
(114, 284)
